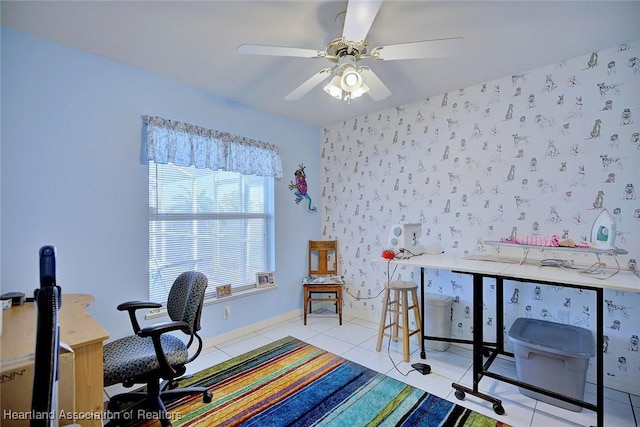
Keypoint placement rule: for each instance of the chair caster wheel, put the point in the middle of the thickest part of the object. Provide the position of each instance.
(460, 394)
(207, 397)
(498, 409)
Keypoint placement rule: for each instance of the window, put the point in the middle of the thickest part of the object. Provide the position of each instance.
(210, 205)
(217, 222)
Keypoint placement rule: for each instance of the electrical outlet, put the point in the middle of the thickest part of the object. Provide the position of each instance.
(226, 312)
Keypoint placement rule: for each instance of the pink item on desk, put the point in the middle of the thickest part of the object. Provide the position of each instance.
(535, 241)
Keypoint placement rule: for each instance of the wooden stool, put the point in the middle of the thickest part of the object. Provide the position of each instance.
(399, 305)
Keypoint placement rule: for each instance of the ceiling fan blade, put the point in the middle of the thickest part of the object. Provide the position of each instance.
(257, 49)
(377, 90)
(312, 82)
(416, 50)
(360, 16)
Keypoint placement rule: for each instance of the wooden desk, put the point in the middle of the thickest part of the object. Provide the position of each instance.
(78, 330)
(502, 269)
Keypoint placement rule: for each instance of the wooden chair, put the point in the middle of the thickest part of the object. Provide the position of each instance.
(323, 278)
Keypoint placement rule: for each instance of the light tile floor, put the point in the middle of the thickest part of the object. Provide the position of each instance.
(356, 340)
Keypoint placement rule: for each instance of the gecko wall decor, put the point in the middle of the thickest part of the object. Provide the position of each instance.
(300, 188)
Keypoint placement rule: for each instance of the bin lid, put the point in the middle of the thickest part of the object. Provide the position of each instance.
(438, 299)
(553, 337)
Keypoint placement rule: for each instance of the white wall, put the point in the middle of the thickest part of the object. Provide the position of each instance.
(72, 176)
(457, 162)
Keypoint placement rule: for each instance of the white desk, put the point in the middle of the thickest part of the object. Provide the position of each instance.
(528, 272)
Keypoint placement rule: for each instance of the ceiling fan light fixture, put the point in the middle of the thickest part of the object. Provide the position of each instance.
(360, 91)
(351, 80)
(333, 88)
(347, 84)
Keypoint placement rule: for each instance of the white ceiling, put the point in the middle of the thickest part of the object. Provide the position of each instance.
(194, 42)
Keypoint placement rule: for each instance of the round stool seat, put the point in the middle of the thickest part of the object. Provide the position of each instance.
(401, 285)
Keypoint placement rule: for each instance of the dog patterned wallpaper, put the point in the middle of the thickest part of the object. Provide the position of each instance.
(538, 153)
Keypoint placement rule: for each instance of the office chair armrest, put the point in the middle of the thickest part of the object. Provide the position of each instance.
(155, 331)
(138, 304)
(132, 306)
(162, 327)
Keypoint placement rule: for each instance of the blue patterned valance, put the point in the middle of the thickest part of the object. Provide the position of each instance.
(182, 144)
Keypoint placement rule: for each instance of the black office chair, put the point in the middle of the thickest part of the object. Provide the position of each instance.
(152, 354)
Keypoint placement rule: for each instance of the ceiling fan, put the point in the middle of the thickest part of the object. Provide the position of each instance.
(349, 79)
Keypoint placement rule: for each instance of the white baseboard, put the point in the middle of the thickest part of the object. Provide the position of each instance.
(240, 332)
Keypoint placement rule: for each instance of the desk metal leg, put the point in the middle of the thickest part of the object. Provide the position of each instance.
(478, 330)
(423, 353)
(499, 315)
(478, 350)
(479, 370)
(600, 356)
(480, 347)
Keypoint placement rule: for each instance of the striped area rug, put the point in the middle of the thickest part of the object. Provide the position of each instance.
(292, 383)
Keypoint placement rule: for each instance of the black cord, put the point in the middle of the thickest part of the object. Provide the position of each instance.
(389, 276)
(411, 254)
(358, 298)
